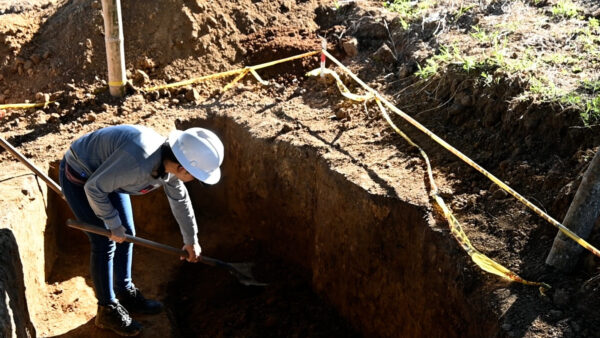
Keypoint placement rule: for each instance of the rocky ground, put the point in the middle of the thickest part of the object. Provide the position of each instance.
(509, 83)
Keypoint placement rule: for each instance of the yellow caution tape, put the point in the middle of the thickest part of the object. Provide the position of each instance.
(258, 78)
(25, 105)
(470, 162)
(291, 58)
(236, 79)
(244, 71)
(194, 80)
(341, 86)
(483, 261)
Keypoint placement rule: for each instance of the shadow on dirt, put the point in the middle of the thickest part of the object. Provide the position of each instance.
(13, 304)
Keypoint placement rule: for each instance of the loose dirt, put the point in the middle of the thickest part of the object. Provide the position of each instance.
(56, 48)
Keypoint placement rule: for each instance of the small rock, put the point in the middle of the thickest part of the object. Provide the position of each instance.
(54, 118)
(35, 58)
(140, 77)
(212, 22)
(372, 30)
(39, 117)
(350, 46)
(39, 96)
(192, 95)
(153, 95)
(341, 114)
(91, 117)
(499, 194)
(164, 92)
(384, 55)
(147, 63)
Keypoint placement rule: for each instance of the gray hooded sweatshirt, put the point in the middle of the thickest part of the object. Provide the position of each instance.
(121, 159)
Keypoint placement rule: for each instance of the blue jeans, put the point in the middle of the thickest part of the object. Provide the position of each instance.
(107, 259)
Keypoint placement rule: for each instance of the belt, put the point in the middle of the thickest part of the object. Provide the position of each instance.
(73, 176)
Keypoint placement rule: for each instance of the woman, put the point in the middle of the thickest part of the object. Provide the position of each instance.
(99, 172)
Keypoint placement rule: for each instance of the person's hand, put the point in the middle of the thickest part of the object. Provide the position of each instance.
(118, 234)
(194, 252)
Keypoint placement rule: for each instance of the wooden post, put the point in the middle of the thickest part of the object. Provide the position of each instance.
(113, 38)
(580, 219)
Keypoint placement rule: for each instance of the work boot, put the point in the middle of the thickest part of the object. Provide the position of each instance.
(115, 317)
(134, 301)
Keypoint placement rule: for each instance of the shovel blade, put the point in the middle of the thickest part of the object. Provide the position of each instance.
(243, 272)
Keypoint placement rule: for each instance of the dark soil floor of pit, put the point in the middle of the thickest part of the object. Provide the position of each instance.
(209, 302)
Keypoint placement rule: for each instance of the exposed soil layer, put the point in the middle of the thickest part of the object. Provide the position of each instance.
(329, 202)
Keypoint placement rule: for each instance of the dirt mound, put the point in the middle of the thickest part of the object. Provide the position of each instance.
(279, 43)
(169, 40)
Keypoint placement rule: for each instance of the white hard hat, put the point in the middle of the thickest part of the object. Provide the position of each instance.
(199, 151)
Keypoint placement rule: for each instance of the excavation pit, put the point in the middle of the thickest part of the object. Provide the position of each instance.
(328, 201)
(339, 260)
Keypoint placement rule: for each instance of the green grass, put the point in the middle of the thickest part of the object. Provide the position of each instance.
(551, 73)
(462, 11)
(408, 10)
(565, 9)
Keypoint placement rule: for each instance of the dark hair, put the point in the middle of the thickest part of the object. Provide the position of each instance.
(166, 153)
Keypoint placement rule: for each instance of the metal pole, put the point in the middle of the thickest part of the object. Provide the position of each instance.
(580, 218)
(115, 54)
(31, 166)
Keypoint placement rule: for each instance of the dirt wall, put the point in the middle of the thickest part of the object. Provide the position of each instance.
(380, 261)
(14, 315)
(23, 266)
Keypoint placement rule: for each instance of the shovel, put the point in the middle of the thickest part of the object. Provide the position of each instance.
(242, 271)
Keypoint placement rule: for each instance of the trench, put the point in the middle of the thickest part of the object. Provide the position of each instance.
(339, 260)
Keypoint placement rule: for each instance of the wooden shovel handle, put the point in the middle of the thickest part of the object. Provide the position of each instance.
(147, 243)
(136, 240)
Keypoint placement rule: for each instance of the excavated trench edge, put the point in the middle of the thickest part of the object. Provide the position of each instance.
(377, 260)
